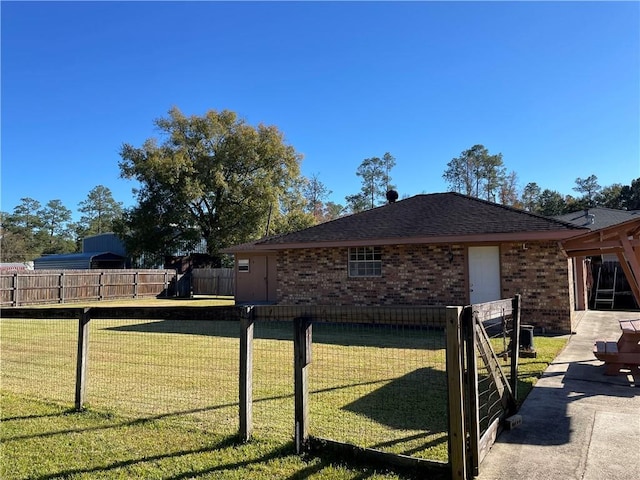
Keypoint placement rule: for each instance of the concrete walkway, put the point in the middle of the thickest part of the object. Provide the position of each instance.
(577, 423)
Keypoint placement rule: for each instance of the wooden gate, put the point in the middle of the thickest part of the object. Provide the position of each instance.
(491, 337)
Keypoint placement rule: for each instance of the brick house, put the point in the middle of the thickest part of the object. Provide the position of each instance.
(435, 249)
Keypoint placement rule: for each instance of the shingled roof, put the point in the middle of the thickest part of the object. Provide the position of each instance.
(597, 218)
(430, 218)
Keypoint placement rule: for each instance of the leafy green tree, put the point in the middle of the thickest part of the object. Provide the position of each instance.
(476, 173)
(611, 197)
(23, 230)
(358, 202)
(551, 203)
(333, 210)
(14, 247)
(100, 212)
(630, 195)
(291, 214)
(211, 177)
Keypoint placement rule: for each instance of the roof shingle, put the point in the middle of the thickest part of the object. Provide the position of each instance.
(430, 215)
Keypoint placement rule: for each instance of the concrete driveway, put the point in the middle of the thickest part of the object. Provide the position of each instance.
(577, 423)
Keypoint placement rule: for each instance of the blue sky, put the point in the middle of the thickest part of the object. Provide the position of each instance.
(553, 86)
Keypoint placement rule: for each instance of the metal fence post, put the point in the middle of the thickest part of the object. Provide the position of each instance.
(515, 348)
(246, 374)
(302, 358)
(472, 402)
(83, 353)
(14, 291)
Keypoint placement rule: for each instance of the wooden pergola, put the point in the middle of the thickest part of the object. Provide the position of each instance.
(622, 239)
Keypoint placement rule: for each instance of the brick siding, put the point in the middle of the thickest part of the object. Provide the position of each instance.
(542, 275)
(424, 275)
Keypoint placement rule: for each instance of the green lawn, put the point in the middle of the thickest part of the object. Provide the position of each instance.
(162, 398)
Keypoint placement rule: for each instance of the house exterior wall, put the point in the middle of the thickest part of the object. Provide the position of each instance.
(411, 275)
(542, 275)
(424, 275)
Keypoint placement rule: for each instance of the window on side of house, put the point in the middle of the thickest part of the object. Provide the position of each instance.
(365, 262)
(243, 265)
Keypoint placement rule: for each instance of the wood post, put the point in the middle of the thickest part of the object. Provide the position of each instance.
(83, 353)
(457, 430)
(246, 375)
(302, 339)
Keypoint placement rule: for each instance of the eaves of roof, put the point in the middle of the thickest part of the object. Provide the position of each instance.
(433, 240)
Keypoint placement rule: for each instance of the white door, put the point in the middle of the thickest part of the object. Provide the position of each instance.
(484, 274)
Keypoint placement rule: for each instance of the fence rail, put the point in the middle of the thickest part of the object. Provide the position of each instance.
(65, 286)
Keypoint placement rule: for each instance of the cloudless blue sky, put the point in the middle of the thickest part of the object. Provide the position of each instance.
(553, 86)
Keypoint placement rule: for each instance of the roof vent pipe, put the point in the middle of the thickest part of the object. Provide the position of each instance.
(591, 218)
(392, 196)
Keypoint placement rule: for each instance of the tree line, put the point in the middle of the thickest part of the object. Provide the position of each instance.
(33, 229)
(477, 173)
(215, 180)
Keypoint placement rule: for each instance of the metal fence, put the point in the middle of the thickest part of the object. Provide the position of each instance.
(387, 382)
(34, 287)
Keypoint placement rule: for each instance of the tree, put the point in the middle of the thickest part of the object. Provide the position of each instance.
(14, 247)
(56, 228)
(611, 197)
(333, 210)
(100, 212)
(508, 191)
(531, 197)
(589, 188)
(375, 173)
(291, 213)
(212, 177)
(357, 203)
(315, 194)
(21, 230)
(25, 215)
(551, 203)
(476, 173)
(630, 195)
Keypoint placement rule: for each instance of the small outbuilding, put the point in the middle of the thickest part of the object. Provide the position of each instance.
(436, 249)
(104, 251)
(81, 261)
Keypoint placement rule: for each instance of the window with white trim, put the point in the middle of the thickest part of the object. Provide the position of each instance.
(365, 262)
(243, 265)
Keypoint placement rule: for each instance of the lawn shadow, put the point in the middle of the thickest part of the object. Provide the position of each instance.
(381, 336)
(415, 401)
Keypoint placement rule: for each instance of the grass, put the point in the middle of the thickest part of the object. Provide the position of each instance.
(162, 399)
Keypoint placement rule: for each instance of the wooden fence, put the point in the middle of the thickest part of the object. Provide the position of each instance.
(65, 286)
(212, 281)
(473, 372)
